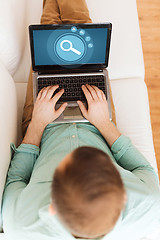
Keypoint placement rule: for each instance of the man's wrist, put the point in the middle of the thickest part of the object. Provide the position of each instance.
(34, 134)
(109, 132)
(104, 126)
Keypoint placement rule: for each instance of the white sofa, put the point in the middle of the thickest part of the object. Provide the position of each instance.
(126, 71)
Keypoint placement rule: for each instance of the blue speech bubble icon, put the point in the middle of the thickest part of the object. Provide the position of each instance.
(88, 38)
(74, 29)
(82, 32)
(90, 45)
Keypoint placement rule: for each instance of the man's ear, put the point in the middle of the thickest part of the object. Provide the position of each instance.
(51, 210)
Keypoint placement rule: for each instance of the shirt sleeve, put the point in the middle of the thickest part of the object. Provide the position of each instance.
(22, 163)
(20, 170)
(18, 177)
(128, 157)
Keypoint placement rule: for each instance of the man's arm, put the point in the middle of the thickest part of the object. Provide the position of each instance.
(43, 113)
(27, 153)
(98, 113)
(126, 155)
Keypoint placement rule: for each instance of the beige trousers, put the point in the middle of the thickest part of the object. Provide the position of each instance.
(57, 12)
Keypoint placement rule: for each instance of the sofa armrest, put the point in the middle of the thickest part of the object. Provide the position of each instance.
(133, 115)
(126, 57)
(15, 16)
(8, 122)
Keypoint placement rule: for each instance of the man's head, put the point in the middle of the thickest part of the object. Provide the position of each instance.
(87, 192)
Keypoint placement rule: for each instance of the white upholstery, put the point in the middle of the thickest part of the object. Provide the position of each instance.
(11, 25)
(8, 121)
(126, 58)
(126, 71)
(132, 112)
(2, 236)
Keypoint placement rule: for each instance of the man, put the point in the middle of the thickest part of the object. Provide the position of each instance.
(80, 180)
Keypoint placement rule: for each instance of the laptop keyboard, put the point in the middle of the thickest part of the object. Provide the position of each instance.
(72, 85)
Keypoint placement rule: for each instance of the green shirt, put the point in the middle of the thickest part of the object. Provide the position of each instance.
(27, 192)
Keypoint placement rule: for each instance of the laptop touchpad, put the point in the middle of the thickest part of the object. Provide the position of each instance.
(72, 113)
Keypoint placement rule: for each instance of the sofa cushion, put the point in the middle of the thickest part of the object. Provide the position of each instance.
(12, 19)
(8, 123)
(126, 57)
(133, 116)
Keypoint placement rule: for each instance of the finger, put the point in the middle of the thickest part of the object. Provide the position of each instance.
(92, 91)
(40, 93)
(103, 96)
(98, 91)
(61, 109)
(44, 92)
(57, 96)
(82, 108)
(51, 90)
(87, 93)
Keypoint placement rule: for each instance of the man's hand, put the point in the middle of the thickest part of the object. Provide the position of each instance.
(44, 109)
(43, 113)
(97, 112)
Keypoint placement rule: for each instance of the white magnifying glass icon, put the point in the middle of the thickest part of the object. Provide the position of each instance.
(70, 47)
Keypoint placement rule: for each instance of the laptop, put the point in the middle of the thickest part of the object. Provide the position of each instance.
(70, 55)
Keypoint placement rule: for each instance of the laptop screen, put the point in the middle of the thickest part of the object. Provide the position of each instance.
(69, 46)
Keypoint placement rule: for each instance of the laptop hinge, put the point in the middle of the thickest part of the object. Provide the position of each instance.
(69, 71)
